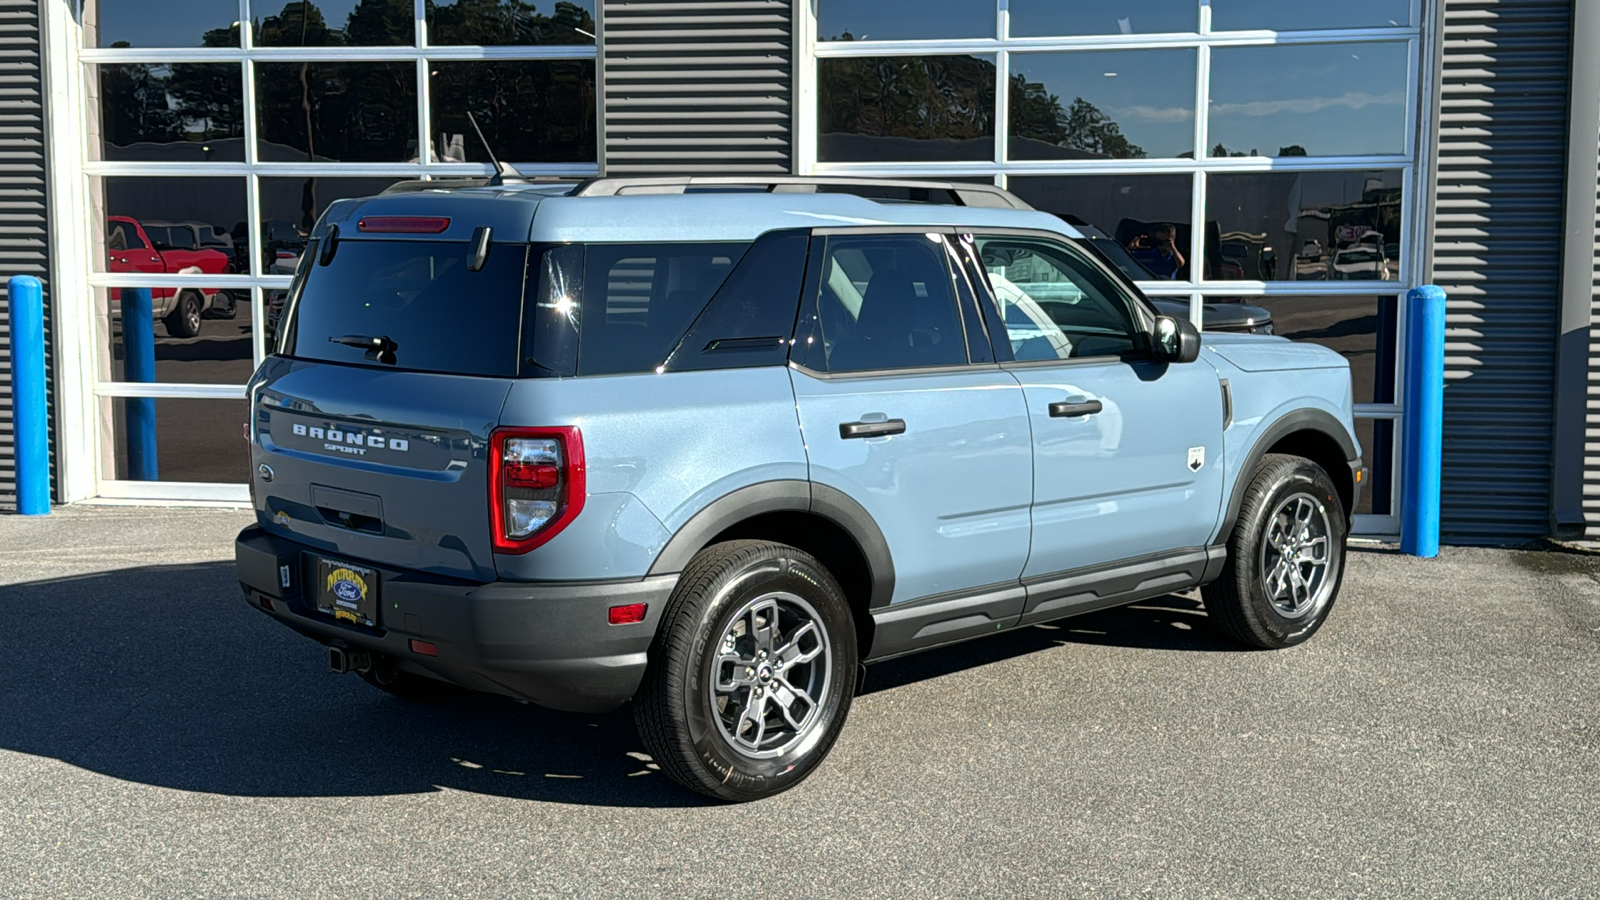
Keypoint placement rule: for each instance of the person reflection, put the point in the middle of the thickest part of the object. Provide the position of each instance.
(1157, 250)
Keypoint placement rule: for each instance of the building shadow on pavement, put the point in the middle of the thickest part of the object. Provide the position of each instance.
(164, 676)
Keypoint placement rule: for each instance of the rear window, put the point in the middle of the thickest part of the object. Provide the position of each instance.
(412, 305)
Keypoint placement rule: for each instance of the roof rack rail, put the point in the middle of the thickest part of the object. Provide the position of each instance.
(963, 193)
(500, 179)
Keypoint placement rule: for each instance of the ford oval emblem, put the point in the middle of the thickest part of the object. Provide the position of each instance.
(347, 591)
(265, 471)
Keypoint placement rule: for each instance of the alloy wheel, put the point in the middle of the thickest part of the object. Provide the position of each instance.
(772, 671)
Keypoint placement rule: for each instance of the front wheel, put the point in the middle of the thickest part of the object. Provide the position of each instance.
(752, 673)
(1285, 556)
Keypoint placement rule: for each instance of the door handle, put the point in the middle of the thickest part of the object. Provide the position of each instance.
(849, 430)
(1067, 409)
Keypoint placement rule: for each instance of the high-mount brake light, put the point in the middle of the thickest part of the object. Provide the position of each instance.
(536, 484)
(404, 224)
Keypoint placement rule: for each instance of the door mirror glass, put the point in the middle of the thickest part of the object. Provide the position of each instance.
(1177, 340)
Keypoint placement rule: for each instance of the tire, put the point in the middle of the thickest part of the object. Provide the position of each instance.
(184, 320)
(409, 686)
(1277, 586)
(711, 635)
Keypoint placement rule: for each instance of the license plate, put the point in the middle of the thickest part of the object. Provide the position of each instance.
(347, 592)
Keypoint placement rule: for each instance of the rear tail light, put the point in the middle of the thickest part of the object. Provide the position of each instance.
(536, 486)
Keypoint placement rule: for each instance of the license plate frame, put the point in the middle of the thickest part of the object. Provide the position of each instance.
(347, 592)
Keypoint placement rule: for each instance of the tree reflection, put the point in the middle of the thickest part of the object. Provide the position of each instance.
(491, 22)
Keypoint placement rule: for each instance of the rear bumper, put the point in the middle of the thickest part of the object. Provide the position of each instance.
(545, 642)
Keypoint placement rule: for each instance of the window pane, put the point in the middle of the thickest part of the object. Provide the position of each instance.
(333, 23)
(185, 112)
(1054, 305)
(1041, 18)
(504, 22)
(194, 440)
(906, 108)
(1119, 104)
(638, 299)
(1362, 329)
(1304, 226)
(220, 353)
(1308, 100)
(1377, 454)
(291, 206)
(888, 303)
(169, 225)
(1120, 215)
(1276, 15)
(161, 23)
(355, 112)
(890, 20)
(529, 111)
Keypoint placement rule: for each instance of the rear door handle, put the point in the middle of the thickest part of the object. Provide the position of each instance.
(1067, 409)
(849, 430)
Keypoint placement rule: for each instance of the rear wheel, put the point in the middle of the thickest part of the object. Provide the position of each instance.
(1285, 556)
(184, 320)
(752, 673)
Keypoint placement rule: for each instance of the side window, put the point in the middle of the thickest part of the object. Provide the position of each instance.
(887, 302)
(640, 298)
(1055, 304)
(118, 239)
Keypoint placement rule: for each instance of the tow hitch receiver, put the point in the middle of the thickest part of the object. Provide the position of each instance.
(344, 659)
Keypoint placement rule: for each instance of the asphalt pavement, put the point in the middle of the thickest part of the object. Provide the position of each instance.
(1439, 738)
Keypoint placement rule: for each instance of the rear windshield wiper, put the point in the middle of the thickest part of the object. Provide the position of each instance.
(379, 347)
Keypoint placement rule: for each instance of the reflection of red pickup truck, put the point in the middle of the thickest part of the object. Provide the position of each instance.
(161, 248)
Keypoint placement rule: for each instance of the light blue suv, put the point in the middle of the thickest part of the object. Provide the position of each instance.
(710, 445)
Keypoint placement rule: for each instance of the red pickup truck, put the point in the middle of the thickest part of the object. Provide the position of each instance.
(169, 248)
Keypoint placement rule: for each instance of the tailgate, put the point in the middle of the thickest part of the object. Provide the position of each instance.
(384, 466)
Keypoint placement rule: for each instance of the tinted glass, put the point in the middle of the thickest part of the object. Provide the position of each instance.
(1308, 100)
(638, 299)
(906, 108)
(1039, 18)
(1054, 305)
(185, 112)
(316, 112)
(751, 318)
(291, 206)
(507, 22)
(1377, 454)
(1362, 329)
(436, 314)
(1305, 226)
(220, 354)
(196, 440)
(161, 23)
(892, 20)
(1121, 215)
(1117, 104)
(332, 23)
(214, 206)
(529, 111)
(1276, 15)
(887, 302)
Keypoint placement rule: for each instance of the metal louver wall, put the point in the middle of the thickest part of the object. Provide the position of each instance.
(1497, 241)
(1591, 442)
(697, 87)
(22, 190)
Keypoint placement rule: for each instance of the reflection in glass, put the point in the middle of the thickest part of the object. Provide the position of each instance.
(1361, 329)
(1130, 218)
(335, 23)
(353, 112)
(1305, 226)
(904, 20)
(509, 22)
(1043, 18)
(1376, 437)
(1308, 100)
(220, 353)
(196, 440)
(184, 112)
(175, 226)
(537, 111)
(1124, 104)
(905, 108)
(1276, 15)
(161, 23)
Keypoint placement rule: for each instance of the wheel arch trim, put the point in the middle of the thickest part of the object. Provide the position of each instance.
(1314, 420)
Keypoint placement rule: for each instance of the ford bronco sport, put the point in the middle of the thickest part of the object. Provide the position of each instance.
(709, 446)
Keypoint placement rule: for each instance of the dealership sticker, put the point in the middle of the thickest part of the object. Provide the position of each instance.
(1197, 458)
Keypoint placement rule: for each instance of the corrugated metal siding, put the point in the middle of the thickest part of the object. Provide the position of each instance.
(698, 87)
(22, 191)
(1591, 436)
(1497, 248)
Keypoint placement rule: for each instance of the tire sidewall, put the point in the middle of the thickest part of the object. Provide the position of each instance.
(1282, 630)
(742, 774)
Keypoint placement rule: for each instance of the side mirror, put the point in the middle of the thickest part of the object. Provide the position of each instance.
(1177, 340)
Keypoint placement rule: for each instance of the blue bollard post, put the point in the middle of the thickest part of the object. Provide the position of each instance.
(28, 396)
(139, 365)
(1422, 444)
